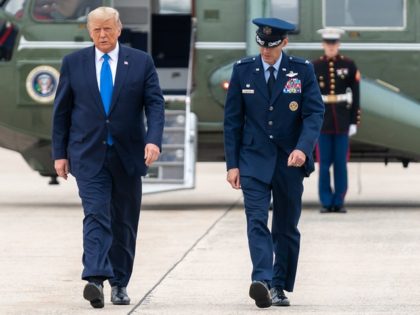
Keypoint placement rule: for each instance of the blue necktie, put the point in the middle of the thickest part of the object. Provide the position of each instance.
(106, 88)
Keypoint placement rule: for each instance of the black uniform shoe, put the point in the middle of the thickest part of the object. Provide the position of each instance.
(340, 209)
(326, 210)
(94, 293)
(279, 298)
(119, 296)
(260, 293)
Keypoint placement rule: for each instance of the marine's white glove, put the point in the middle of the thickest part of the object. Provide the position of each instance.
(352, 130)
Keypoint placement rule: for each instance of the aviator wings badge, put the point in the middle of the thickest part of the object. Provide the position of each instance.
(291, 74)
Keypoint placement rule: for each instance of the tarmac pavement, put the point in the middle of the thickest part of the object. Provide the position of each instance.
(192, 255)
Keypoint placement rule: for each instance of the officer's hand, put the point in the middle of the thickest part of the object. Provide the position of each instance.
(62, 167)
(296, 159)
(151, 153)
(233, 178)
(352, 130)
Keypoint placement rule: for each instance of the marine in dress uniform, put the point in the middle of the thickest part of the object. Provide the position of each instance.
(273, 116)
(338, 79)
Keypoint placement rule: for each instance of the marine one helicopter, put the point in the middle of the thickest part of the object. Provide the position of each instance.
(194, 44)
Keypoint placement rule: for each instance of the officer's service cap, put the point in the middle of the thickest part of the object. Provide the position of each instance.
(330, 34)
(271, 31)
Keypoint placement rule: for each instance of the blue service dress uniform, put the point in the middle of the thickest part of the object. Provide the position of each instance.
(338, 79)
(260, 132)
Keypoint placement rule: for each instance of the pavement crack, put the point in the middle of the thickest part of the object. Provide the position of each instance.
(147, 296)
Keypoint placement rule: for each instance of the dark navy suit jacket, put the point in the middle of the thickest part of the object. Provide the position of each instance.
(256, 126)
(80, 125)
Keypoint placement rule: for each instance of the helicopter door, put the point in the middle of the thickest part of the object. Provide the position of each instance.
(167, 37)
(175, 168)
(172, 43)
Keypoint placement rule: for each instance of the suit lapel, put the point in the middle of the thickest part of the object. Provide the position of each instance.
(90, 70)
(121, 74)
(260, 81)
(281, 77)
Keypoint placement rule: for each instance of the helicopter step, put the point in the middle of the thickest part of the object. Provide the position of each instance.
(175, 168)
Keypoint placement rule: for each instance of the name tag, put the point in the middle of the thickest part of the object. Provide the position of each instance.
(247, 91)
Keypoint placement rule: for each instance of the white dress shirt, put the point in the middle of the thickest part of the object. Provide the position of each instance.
(113, 61)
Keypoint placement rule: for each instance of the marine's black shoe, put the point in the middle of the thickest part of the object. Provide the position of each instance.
(326, 209)
(94, 293)
(119, 296)
(260, 293)
(278, 297)
(340, 209)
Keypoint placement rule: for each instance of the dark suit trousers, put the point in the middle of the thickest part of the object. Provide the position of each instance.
(284, 239)
(111, 202)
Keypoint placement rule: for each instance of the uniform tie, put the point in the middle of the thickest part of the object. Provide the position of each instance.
(106, 87)
(271, 80)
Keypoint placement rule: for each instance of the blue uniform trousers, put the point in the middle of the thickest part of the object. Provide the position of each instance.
(284, 239)
(111, 202)
(333, 149)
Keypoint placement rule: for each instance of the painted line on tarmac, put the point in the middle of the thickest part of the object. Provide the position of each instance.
(146, 296)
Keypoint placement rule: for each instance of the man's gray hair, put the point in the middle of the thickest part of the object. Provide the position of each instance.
(104, 13)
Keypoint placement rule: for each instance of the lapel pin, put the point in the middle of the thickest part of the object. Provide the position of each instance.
(126, 62)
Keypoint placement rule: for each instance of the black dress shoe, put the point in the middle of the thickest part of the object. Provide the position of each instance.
(340, 209)
(326, 209)
(94, 293)
(119, 296)
(279, 298)
(260, 293)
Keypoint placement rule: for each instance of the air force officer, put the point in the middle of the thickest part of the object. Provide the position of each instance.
(273, 116)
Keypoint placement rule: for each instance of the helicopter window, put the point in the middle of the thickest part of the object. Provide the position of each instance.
(286, 9)
(358, 14)
(174, 6)
(63, 10)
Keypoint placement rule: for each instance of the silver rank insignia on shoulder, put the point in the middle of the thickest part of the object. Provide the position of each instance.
(291, 74)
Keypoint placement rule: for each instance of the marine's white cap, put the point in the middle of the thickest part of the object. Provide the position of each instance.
(330, 33)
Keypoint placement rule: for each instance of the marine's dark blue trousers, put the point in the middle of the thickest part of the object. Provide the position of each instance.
(111, 202)
(333, 150)
(284, 239)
